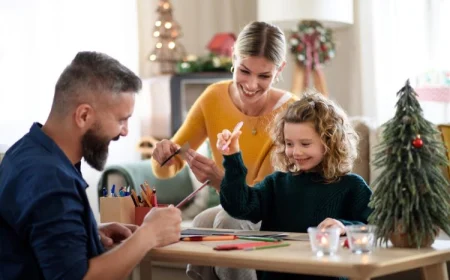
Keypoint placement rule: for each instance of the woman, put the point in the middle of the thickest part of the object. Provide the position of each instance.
(258, 60)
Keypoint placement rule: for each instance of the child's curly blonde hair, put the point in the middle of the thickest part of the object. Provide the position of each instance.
(331, 123)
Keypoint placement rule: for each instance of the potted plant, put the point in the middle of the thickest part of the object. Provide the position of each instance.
(411, 198)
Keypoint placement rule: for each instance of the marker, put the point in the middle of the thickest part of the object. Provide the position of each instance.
(122, 192)
(154, 200)
(113, 189)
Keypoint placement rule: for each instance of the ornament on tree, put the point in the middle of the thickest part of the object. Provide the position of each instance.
(417, 142)
(167, 50)
(411, 197)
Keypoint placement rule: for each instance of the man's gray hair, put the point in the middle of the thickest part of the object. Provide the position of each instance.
(91, 74)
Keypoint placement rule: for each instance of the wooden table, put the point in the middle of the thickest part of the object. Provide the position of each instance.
(298, 258)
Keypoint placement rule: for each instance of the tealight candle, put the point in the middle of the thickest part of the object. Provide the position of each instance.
(324, 241)
(361, 238)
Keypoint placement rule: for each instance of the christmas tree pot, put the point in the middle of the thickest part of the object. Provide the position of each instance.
(400, 239)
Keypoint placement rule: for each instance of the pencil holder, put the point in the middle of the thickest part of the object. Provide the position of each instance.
(117, 209)
(140, 213)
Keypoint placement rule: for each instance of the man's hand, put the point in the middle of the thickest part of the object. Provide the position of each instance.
(164, 225)
(111, 233)
(204, 168)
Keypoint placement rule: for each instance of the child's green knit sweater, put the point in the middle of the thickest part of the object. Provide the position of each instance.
(292, 203)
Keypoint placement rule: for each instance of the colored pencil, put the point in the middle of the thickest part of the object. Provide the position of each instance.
(145, 196)
(235, 130)
(134, 198)
(266, 247)
(192, 194)
(209, 238)
(257, 238)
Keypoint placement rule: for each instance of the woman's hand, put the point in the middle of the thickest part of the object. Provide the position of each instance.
(163, 150)
(329, 222)
(228, 142)
(204, 168)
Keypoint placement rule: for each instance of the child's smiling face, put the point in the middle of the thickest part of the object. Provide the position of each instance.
(303, 145)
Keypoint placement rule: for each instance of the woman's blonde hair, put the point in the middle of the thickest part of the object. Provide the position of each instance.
(331, 123)
(261, 39)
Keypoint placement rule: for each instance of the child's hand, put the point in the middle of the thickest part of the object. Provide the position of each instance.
(227, 142)
(329, 222)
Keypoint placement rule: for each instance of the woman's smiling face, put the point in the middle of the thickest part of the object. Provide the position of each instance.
(253, 77)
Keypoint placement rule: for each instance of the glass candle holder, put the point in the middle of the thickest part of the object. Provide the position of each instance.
(324, 241)
(361, 238)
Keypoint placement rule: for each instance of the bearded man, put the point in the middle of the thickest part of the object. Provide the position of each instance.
(47, 228)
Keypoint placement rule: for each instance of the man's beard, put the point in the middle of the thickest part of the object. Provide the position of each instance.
(95, 148)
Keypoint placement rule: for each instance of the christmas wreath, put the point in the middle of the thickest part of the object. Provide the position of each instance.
(312, 44)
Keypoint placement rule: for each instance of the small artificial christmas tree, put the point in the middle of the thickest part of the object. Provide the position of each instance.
(167, 50)
(411, 197)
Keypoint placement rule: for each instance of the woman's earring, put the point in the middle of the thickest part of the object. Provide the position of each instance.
(232, 69)
(277, 79)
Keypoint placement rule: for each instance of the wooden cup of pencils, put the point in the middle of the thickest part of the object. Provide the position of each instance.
(117, 209)
(144, 203)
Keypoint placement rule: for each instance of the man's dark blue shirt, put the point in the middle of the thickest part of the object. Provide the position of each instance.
(47, 228)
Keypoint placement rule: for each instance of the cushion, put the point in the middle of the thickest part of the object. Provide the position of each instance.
(363, 127)
(375, 139)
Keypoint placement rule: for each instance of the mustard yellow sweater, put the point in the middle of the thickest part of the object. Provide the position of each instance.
(214, 111)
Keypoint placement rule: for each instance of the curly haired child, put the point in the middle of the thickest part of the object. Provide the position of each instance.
(315, 148)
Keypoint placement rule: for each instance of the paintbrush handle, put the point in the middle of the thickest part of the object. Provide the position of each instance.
(170, 157)
(192, 194)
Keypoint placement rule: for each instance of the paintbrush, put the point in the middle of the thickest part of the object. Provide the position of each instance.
(189, 197)
(181, 151)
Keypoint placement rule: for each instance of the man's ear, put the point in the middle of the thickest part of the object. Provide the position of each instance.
(84, 116)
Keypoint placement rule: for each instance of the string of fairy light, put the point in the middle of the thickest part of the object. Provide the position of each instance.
(166, 30)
